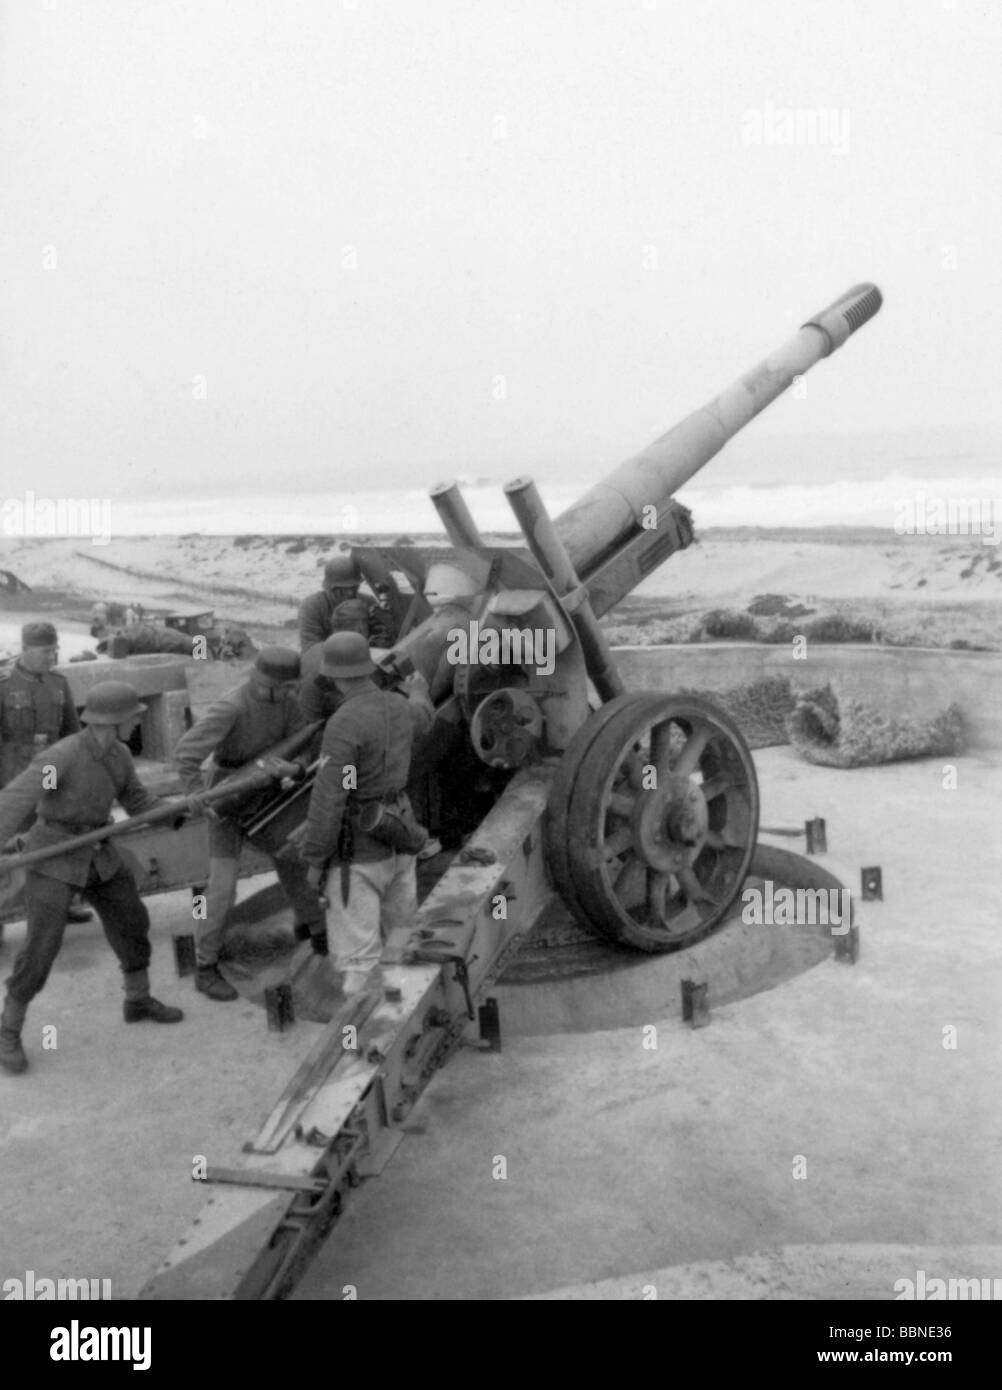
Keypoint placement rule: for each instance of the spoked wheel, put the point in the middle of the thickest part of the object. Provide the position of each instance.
(653, 820)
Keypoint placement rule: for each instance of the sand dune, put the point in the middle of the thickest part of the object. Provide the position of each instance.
(261, 579)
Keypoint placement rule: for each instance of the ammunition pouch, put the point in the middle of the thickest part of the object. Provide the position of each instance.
(392, 822)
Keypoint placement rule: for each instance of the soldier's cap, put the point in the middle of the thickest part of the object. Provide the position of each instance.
(351, 616)
(277, 664)
(341, 572)
(111, 702)
(39, 635)
(346, 654)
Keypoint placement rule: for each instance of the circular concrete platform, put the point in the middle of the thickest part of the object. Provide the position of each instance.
(565, 981)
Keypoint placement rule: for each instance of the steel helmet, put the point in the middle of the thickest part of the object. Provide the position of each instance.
(277, 665)
(341, 572)
(351, 616)
(347, 654)
(111, 702)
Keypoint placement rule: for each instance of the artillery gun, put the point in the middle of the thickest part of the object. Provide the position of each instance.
(638, 810)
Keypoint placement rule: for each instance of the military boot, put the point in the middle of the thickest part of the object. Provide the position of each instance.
(140, 1005)
(210, 982)
(12, 1056)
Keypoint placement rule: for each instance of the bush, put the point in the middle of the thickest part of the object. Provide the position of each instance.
(836, 628)
(779, 632)
(777, 606)
(760, 709)
(730, 625)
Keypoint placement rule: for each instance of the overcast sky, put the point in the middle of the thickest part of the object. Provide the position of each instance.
(248, 244)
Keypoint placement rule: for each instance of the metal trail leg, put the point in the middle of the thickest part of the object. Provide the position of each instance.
(278, 1004)
(695, 1004)
(489, 1021)
(184, 954)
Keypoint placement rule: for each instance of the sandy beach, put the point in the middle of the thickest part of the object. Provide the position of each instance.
(916, 590)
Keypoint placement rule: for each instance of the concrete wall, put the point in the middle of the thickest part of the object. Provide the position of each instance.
(160, 681)
(911, 680)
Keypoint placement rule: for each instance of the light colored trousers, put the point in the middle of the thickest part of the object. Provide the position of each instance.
(382, 897)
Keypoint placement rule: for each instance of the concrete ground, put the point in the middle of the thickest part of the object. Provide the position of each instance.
(585, 1157)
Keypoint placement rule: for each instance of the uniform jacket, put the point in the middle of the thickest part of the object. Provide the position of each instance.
(318, 701)
(372, 731)
(316, 620)
(235, 729)
(88, 780)
(35, 711)
(318, 696)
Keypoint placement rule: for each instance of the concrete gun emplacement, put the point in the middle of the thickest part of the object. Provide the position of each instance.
(547, 781)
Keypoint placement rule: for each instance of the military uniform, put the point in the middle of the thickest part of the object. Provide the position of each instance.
(236, 729)
(71, 787)
(372, 732)
(35, 711)
(87, 781)
(316, 618)
(318, 695)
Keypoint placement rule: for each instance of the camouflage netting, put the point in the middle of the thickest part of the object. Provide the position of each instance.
(760, 709)
(840, 732)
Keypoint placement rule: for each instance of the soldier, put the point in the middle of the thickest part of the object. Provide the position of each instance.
(352, 616)
(371, 886)
(72, 786)
(319, 696)
(36, 709)
(342, 577)
(236, 729)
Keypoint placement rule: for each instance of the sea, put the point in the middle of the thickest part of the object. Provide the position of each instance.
(853, 480)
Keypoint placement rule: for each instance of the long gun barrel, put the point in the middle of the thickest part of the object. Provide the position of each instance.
(253, 776)
(612, 513)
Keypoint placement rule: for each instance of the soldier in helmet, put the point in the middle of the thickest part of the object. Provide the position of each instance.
(319, 696)
(352, 616)
(342, 578)
(239, 727)
(71, 786)
(36, 710)
(370, 887)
